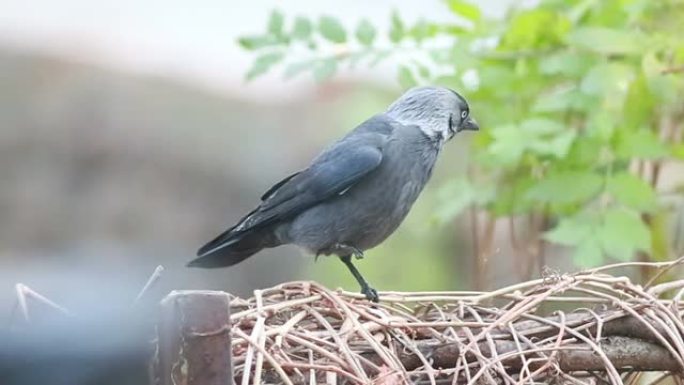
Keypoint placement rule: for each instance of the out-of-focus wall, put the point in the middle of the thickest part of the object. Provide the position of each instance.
(106, 175)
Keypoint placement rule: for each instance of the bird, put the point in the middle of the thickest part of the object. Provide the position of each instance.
(356, 192)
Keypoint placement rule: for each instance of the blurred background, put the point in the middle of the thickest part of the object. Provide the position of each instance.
(130, 136)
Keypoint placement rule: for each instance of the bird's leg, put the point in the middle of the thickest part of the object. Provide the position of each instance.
(370, 293)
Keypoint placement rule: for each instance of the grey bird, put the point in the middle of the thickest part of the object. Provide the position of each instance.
(356, 192)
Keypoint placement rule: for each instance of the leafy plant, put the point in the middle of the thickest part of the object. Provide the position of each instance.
(584, 101)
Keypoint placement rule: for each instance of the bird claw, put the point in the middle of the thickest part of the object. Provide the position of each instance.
(358, 254)
(344, 249)
(370, 293)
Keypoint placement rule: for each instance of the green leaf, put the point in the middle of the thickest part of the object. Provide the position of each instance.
(632, 191)
(572, 231)
(302, 28)
(547, 137)
(251, 43)
(509, 196)
(294, 69)
(324, 69)
(561, 100)
(263, 63)
(677, 151)
(507, 145)
(365, 32)
(275, 23)
(557, 146)
(457, 195)
(622, 233)
(588, 253)
(585, 152)
(541, 126)
(423, 30)
(464, 9)
(606, 40)
(601, 124)
(397, 29)
(610, 79)
(567, 187)
(639, 103)
(535, 29)
(331, 29)
(498, 78)
(539, 136)
(643, 144)
(565, 63)
(406, 78)
(423, 71)
(579, 231)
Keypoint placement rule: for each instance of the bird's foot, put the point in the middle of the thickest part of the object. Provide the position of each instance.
(344, 249)
(370, 293)
(357, 253)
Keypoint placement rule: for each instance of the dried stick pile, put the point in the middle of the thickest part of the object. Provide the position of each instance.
(584, 328)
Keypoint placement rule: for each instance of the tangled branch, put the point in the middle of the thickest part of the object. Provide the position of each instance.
(302, 332)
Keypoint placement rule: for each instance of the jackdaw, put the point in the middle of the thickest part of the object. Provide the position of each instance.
(356, 192)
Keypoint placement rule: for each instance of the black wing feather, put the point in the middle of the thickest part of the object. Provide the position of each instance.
(278, 185)
(335, 171)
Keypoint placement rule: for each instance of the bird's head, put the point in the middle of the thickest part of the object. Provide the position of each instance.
(438, 111)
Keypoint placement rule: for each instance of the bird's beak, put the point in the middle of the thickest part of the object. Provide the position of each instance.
(470, 125)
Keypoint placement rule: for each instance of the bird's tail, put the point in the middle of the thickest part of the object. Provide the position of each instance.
(227, 250)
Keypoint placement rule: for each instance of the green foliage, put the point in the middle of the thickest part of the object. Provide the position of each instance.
(302, 29)
(365, 32)
(464, 9)
(397, 29)
(332, 30)
(459, 194)
(275, 23)
(633, 192)
(566, 187)
(577, 100)
(617, 233)
(263, 63)
(607, 41)
(406, 78)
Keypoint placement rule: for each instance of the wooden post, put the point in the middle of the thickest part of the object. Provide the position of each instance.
(193, 345)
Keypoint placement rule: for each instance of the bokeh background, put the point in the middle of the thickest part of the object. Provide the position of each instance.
(129, 137)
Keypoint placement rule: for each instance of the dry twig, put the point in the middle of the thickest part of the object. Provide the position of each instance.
(313, 334)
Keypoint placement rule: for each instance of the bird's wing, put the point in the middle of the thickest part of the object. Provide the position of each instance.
(276, 186)
(332, 173)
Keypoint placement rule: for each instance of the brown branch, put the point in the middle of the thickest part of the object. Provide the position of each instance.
(624, 327)
(626, 342)
(623, 352)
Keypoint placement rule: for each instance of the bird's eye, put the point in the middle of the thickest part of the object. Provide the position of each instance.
(464, 114)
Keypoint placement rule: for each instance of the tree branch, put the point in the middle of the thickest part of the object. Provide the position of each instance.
(623, 352)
